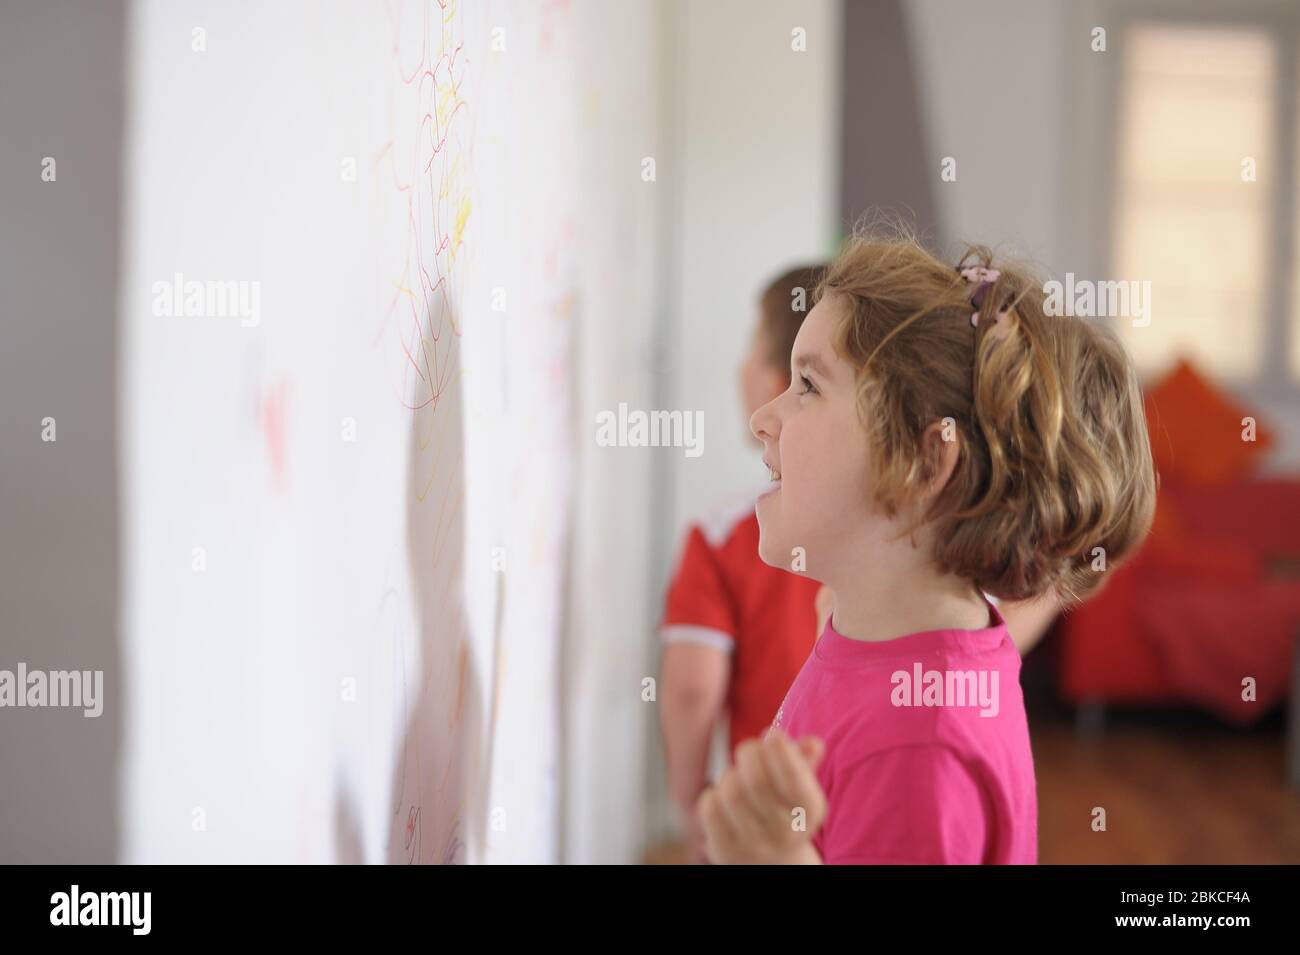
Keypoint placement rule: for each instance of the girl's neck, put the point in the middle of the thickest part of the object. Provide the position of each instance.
(882, 607)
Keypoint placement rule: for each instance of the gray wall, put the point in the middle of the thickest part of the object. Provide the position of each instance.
(61, 95)
(884, 164)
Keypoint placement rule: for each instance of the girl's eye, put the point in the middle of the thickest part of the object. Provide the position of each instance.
(809, 387)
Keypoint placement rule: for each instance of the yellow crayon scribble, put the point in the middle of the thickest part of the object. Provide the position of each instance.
(462, 216)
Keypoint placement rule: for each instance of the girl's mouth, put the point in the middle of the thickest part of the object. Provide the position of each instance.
(773, 480)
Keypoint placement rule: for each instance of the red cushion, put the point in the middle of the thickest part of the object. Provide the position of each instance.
(1196, 431)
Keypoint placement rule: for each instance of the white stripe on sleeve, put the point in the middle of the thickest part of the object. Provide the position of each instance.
(703, 636)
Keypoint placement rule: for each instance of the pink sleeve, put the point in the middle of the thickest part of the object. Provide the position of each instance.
(914, 805)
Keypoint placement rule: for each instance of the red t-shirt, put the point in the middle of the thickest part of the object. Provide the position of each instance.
(723, 595)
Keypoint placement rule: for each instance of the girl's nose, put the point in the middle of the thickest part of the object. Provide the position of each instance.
(764, 423)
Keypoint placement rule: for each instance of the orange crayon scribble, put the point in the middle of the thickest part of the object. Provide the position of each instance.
(462, 665)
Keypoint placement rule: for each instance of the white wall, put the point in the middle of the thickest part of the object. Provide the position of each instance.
(606, 654)
(332, 561)
(754, 177)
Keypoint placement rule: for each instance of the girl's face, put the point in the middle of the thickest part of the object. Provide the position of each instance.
(813, 441)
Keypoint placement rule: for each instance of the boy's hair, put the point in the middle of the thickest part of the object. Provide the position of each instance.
(1055, 459)
(778, 314)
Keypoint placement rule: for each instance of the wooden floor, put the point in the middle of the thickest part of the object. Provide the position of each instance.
(1178, 787)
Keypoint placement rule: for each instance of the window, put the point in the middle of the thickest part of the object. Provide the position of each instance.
(1196, 109)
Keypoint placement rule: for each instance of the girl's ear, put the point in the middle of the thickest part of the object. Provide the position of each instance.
(940, 451)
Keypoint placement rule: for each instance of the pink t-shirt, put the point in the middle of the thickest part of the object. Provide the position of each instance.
(927, 748)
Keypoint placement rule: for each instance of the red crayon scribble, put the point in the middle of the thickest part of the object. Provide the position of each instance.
(428, 170)
(273, 407)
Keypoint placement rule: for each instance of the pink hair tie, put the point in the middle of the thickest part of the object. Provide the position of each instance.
(978, 273)
(983, 278)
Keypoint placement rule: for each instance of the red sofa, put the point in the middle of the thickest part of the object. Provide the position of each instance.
(1212, 597)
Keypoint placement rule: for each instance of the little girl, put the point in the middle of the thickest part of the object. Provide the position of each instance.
(942, 439)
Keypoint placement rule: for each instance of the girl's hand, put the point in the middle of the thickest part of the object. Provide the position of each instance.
(767, 807)
(696, 851)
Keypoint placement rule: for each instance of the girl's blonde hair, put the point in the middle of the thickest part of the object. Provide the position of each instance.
(1054, 460)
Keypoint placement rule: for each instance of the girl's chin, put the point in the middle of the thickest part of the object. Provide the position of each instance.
(769, 550)
(766, 558)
